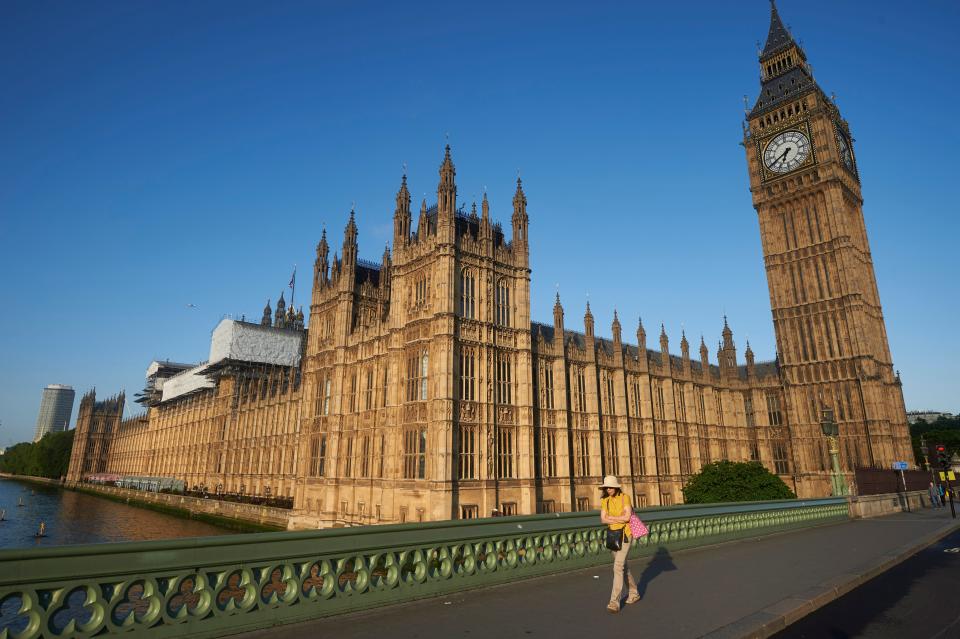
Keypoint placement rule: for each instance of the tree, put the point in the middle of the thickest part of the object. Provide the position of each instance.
(48, 457)
(725, 481)
(945, 430)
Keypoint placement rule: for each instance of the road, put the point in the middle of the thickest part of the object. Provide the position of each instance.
(918, 599)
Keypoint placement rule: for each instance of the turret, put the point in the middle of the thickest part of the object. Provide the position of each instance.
(616, 330)
(350, 241)
(386, 272)
(486, 230)
(588, 322)
(320, 266)
(348, 264)
(704, 358)
(557, 321)
(748, 355)
(422, 221)
(401, 216)
(520, 219)
(685, 352)
(728, 352)
(664, 349)
(300, 319)
(446, 198)
(267, 313)
(280, 316)
(641, 346)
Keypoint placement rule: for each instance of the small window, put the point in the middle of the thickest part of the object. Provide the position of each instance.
(508, 509)
(666, 499)
(546, 506)
(469, 511)
(583, 504)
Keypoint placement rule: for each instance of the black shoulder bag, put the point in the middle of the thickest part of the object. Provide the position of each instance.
(614, 537)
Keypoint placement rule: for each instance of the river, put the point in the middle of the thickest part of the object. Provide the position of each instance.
(77, 518)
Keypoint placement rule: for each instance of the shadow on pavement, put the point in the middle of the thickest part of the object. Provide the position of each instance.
(659, 563)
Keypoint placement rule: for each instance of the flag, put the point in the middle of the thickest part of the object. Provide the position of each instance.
(293, 278)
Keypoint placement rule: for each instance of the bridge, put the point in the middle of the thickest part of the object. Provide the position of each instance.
(728, 570)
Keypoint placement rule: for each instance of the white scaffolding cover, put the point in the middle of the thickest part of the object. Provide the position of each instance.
(186, 382)
(244, 342)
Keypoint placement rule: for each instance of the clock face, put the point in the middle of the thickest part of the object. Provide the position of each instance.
(786, 152)
(846, 155)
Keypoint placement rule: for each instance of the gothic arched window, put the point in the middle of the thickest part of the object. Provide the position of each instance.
(503, 303)
(467, 289)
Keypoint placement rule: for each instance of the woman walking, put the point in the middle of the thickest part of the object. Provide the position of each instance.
(615, 511)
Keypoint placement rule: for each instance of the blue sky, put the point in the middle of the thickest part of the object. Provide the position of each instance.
(157, 155)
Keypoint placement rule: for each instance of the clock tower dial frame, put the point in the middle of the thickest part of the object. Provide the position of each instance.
(785, 149)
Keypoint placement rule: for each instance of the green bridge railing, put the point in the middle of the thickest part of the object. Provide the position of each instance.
(215, 586)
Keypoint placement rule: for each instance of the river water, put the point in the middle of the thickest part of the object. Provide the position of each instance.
(76, 518)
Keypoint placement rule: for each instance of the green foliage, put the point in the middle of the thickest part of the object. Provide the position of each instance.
(944, 431)
(725, 481)
(49, 457)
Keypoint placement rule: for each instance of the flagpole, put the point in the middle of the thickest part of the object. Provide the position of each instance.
(293, 286)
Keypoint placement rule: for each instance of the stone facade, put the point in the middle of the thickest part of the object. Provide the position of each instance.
(426, 392)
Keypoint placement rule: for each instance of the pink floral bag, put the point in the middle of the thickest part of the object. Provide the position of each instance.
(637, 528)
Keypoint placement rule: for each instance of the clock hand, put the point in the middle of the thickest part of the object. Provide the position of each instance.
(778, 158)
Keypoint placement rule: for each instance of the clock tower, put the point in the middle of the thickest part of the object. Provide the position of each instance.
(831, 338)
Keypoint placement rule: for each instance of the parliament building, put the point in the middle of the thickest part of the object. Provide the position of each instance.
(423, 390)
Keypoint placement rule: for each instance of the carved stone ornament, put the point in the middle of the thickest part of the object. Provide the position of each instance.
(468, 412)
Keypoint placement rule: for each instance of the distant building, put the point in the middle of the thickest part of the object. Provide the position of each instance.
(928, 416)
(56, 406)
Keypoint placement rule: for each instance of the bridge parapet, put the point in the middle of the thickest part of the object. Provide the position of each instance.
(214, 586)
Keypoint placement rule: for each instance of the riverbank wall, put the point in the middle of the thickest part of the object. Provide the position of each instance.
(227, 514)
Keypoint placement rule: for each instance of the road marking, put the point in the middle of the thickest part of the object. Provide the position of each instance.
(952, 550)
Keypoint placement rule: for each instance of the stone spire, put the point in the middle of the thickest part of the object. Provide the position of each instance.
(641, 338)
(281, 314)
(704, 357)
(784, 72)
(664, 348)
(267, 313)
(615, 329)
(558, 320)
(520, 219)
(778, 37)
(422, 222)
(320, 265)
(446, 189)
(728, 351)
(727, 334)
(748, 355)
(401, 216)
(350, 241)
(588, 322)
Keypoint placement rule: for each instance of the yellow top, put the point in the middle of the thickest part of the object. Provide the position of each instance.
(614, 506)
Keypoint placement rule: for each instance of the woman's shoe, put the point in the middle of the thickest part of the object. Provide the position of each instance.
(613, 608)
(632, 599)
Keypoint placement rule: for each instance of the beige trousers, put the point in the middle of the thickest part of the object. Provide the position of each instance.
(620, 569)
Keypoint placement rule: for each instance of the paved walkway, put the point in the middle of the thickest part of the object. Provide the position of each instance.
(746, 588)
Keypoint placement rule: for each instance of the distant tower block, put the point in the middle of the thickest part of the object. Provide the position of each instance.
(56, 405)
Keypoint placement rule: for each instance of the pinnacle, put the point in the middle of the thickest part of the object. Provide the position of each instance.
(778, 36)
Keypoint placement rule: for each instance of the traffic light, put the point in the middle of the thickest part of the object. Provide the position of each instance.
(942, 459)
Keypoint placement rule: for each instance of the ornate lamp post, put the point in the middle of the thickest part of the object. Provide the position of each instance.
(830, 429)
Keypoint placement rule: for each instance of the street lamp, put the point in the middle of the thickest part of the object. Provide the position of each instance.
(831, 431)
